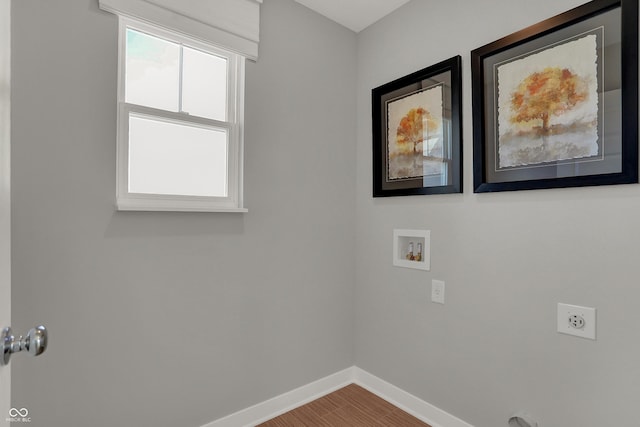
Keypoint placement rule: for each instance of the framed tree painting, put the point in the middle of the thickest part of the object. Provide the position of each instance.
(417, 123)
(556, 104)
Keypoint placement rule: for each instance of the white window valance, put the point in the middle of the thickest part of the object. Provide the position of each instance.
(230, 24)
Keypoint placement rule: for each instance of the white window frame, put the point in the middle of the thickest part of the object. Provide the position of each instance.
(234, 125)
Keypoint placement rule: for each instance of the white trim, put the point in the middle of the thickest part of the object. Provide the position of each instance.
(5, 197)
(420, 409)
(230, 24)
(157, 205)
(285, 402)
(238, 134)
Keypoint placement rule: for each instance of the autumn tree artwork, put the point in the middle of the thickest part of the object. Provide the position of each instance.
(548, 106)
(413, 128)
(550, 92)
(414, 140)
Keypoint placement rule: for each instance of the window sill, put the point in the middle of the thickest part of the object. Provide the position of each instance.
(168, 206)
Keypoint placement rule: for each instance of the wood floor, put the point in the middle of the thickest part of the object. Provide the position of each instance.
(351, 406)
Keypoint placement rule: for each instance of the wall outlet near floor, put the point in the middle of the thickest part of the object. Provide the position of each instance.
(577, 320)
(437, 291)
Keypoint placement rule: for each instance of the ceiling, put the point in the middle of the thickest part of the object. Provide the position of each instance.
(353, 14)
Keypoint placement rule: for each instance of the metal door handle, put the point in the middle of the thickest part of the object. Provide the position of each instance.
(34, 343)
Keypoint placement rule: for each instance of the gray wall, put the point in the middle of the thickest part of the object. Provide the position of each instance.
(166, 319)
(177, 319)
(506, 258)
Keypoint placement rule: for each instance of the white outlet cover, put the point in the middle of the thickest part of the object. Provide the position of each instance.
(401, 239)
(587, 313)
(437, 291)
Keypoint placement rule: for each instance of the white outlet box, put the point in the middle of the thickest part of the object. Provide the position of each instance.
(577, 320)
(404, 240)
(437, 291)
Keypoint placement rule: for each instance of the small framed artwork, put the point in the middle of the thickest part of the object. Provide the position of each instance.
(556, 104)
(417, 124)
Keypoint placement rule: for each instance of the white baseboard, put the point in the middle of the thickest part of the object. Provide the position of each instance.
(278, 405)
(420, 409)
(285, 402)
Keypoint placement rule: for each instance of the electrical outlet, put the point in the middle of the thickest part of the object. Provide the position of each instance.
(577, 320)
(437, 291)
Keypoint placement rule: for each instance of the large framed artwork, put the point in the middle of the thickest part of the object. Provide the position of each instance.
(417, 123)
(556, 104)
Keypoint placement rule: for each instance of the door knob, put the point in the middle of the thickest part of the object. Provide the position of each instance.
(34, 343)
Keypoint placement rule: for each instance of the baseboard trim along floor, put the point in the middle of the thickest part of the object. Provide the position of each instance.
(278, 405)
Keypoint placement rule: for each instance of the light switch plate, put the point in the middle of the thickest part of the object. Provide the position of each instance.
(576, 320)
(437, 291)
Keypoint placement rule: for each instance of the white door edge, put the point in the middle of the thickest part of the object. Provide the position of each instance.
(5, 201)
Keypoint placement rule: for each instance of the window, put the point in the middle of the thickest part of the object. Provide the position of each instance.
(180, 111)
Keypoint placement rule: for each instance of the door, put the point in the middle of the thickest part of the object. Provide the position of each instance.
(5, 204)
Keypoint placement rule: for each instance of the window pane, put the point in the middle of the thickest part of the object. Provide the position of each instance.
(204, 84)
(152, 71)
(179, 159)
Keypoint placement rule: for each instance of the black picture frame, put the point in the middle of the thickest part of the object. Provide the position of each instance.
(417, 132)
(524, 82)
